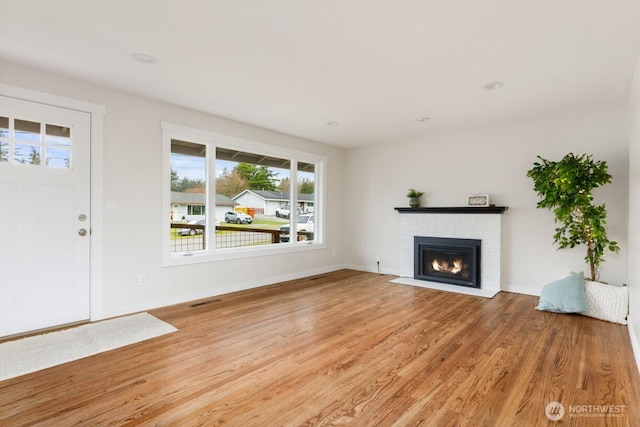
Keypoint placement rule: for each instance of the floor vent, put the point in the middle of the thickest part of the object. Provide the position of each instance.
(198, 304)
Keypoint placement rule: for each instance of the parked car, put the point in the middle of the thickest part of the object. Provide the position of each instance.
(284, 211)
(192, 231)
(237, 217)
(305, 223)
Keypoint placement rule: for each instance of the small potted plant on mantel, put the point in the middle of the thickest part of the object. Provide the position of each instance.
(414, 197)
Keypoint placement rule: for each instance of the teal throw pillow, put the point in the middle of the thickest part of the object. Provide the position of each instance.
(564, 296)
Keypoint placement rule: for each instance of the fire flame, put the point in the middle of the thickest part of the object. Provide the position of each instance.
(444, 266)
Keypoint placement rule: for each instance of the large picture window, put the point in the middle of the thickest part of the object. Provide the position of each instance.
(228, 198)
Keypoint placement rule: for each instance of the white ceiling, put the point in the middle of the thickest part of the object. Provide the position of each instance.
(373, 66)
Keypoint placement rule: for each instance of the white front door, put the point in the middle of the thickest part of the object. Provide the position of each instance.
(44, 216)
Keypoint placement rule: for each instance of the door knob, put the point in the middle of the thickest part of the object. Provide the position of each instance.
(82, 232)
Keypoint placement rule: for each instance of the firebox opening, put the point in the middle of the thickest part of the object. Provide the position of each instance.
(446, 260)
(447, 263)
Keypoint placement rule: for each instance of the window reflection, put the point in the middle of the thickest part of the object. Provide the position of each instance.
(26, 131)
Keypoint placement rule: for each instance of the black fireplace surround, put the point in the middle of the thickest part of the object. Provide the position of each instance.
(447, 260)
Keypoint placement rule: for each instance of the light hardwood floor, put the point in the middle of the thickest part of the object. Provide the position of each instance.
(345, 348)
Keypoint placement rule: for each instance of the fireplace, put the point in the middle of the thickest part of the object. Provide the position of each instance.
(447, 260)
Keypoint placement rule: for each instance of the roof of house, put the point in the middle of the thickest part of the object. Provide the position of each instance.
(276, 195)
(199, 199)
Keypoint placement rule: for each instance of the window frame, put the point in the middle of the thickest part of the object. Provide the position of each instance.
(212, 140)
(192, 208)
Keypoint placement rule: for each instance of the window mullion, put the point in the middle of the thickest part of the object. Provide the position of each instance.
(211, 210)
(293, 199)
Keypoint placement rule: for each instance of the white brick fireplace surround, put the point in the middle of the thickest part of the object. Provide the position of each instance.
(463, 223)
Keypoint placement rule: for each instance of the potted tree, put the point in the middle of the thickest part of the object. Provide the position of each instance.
(565, 188)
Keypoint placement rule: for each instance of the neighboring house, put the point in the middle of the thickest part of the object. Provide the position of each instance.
(191, 206)
(269, 201)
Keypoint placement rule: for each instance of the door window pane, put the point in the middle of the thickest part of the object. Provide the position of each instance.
(58, 157)
(26, 154)
(27, 131)
(4, 127)
(4, 151)
(57, 135)
(27, 150)
(57, 141)
(4, 136)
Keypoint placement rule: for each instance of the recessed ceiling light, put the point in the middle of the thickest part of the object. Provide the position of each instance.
(332, 123)
(423, 119)
(493, 85)
(143, 58)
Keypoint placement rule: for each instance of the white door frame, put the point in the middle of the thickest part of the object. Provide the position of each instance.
(97, 113)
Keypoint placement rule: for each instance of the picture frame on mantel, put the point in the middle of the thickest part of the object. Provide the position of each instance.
(478, 200)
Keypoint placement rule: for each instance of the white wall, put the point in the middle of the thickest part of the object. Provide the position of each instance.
(493, 160)
(364, 184)
(133, 180)
(633, 254)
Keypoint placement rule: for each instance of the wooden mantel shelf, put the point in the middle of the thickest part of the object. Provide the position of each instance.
(455, 210)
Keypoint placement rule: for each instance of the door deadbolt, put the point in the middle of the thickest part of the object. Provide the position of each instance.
(82, 217)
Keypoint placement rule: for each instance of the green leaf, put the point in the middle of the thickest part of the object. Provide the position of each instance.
(565, 188)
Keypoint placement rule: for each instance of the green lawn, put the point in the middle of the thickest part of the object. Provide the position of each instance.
(271, 222)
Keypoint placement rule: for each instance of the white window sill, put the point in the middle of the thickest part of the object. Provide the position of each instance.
(197, 257)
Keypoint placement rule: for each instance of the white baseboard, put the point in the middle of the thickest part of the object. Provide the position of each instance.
(635, 344)
(370, 269)
(521, 290)
(208, 293)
